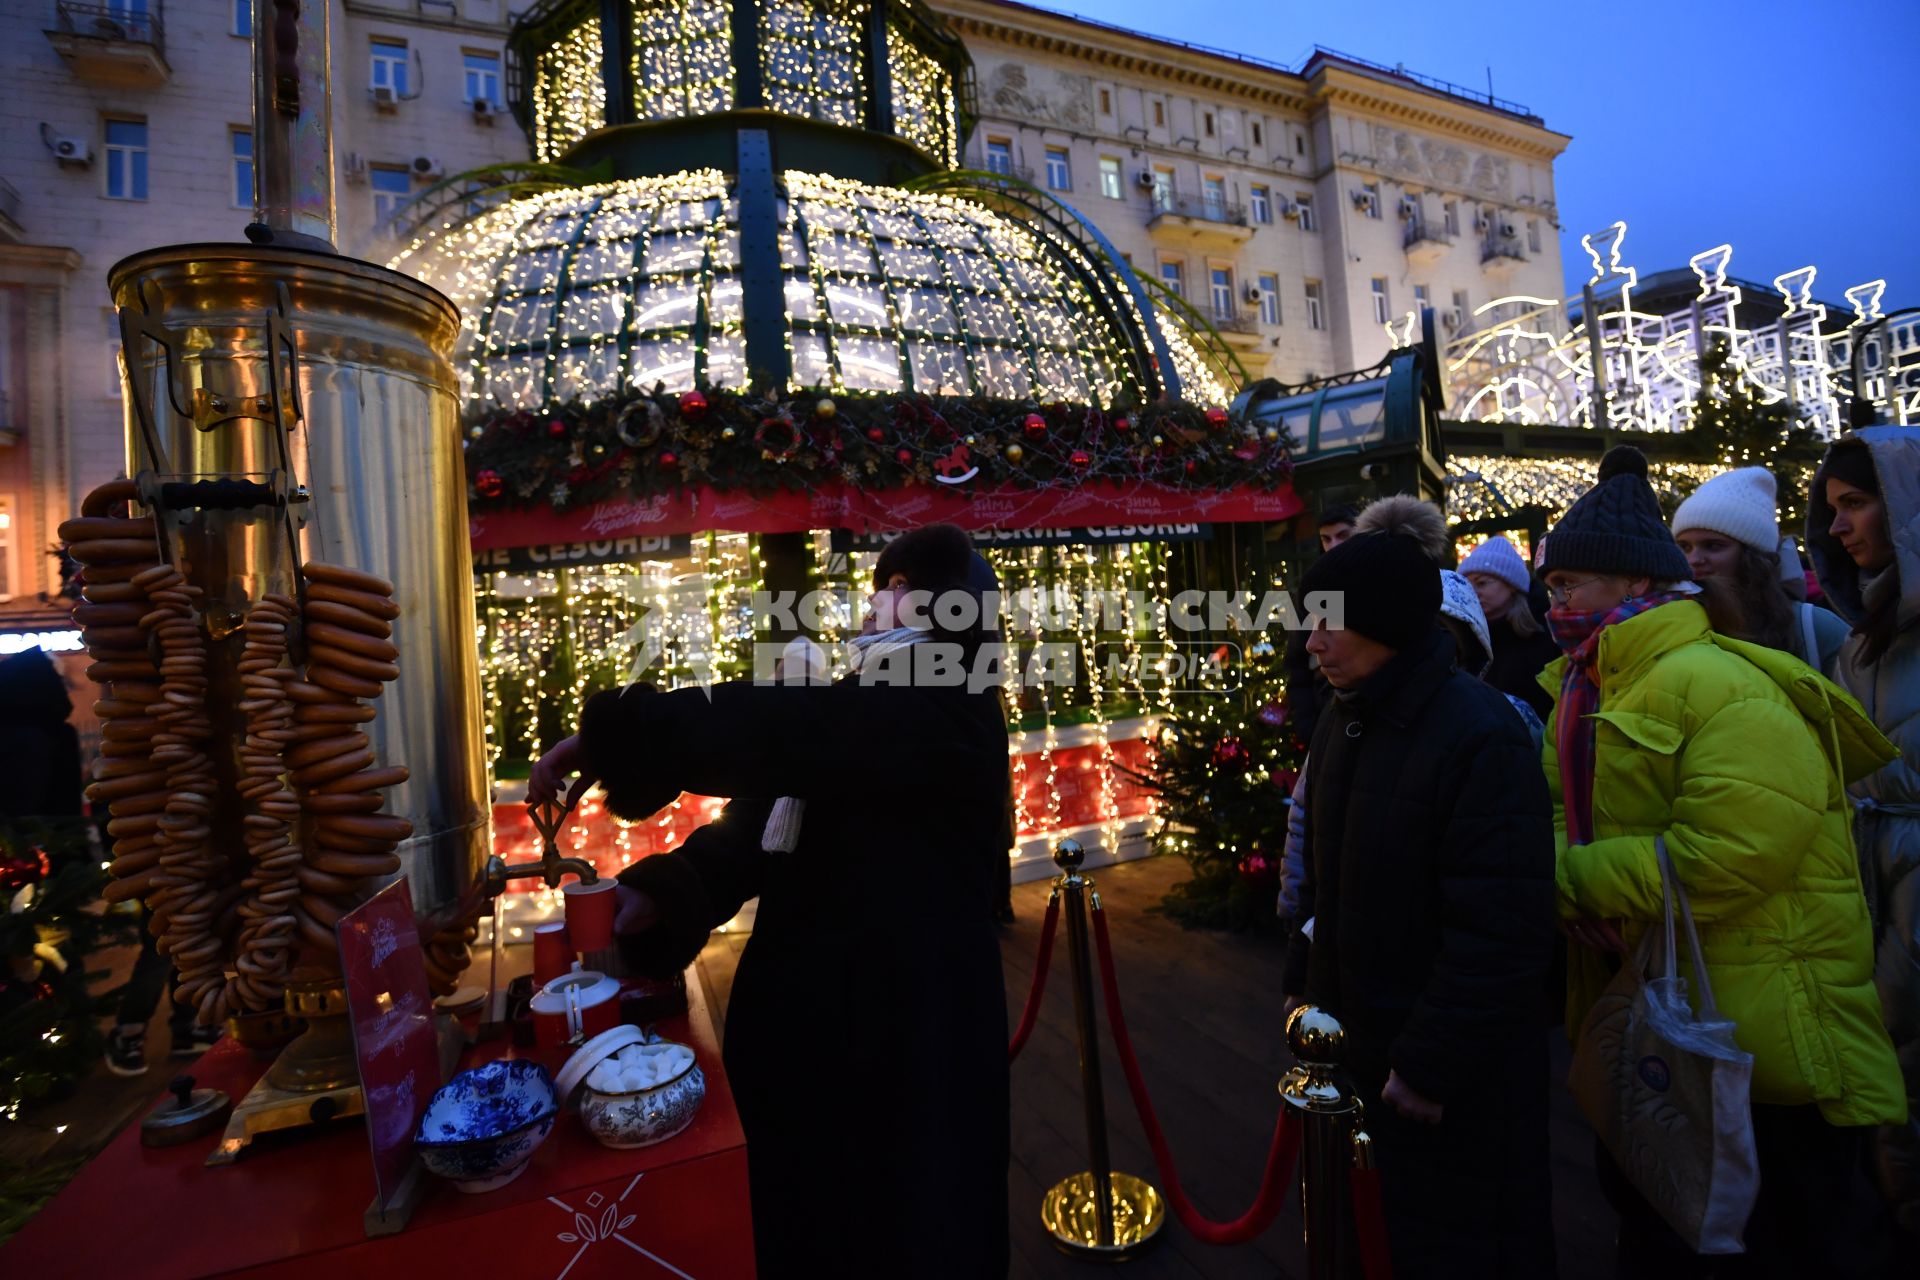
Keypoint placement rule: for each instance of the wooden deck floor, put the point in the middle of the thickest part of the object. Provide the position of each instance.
(1203, 1012)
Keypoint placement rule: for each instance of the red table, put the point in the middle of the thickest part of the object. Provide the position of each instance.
(293, 1208)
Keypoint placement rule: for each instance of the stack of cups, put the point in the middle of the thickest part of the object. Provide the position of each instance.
(572, 1003)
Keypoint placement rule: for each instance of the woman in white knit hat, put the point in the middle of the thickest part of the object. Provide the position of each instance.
(1728, 529)
(1521, 645)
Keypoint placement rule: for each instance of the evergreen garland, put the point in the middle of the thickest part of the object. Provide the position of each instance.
(52, 926)
(639, 445)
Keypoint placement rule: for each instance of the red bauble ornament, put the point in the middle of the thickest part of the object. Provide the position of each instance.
(488, 484)
(1192, 467)
(1217, 419)
(557, 429)
(1247, 450)
(668, 458)
(903, 456)
(1122, 423)
(1036, 426)
(1231, 753)
(17, 873)
(1080, 458)
(877, 434)
(693, 406)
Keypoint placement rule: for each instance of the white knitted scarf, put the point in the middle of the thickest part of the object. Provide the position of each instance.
(782, 834)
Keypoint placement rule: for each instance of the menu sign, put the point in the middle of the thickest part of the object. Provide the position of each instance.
(391, 1012)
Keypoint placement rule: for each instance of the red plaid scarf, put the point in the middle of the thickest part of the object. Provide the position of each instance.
(1578, 635)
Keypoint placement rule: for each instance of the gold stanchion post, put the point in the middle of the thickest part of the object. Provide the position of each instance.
(1098, 1214)
(1332, 1115)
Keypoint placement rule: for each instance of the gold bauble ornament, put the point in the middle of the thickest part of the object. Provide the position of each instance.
(1271, 435)
(728, 433)
(1158, 441)
(1015, 453)
(825, 408)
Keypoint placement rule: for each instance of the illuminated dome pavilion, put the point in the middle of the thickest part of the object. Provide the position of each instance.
(774, 204)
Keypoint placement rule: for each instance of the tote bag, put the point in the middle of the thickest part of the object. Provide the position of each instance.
(1667, 1090)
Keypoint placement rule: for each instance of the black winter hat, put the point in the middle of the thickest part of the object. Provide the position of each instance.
(1391, 592)
(1616, 527)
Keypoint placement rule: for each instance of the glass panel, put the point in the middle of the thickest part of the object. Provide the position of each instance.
(856, 303)
(939, 368)
(924, 311)
(669, 304)
(802, 302)
(727, 360)
(813, 51)
(586, 371)
(591, 313)
(869, 364)
(522, 320)
(682, 61)
(810, 366)
(668, 360)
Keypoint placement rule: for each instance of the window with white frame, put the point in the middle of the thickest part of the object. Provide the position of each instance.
(482, 76)
(242, 23)
(391, 188)
(1059, 169)
(1421, 300)
(1316, 305)
(1370, 199)
(111, 318)
(1220, 286)
(1460, 305)
(390, 65)
(1269, 299)
(1214, 192)
(1000, 156)
(1260, 203)
(1112, 179)
(1304, 204)
(1451, 212)
(1173, 274)
(126, 159)
(1379, 288)
(241, 144)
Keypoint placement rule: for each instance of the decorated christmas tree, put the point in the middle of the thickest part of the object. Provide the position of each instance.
(1224, 772)
(52, 926)
(1732, 416)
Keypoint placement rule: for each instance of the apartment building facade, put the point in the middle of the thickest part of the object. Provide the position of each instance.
(1299, 211)
(128, 125)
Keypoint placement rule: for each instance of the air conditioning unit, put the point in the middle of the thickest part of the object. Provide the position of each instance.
(1255, 293)
(1410, 206)
(74, 153)
(1290, 211)
(1362, 198)
(1453, 318)
(484, 111)
(355, 168)
(1506, 229)
(426, 168)
(1145, 180)
(1481, 222)
(384, 98)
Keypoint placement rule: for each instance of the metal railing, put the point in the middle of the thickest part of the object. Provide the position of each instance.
(1419, 230)
(1496, 245)
(1199, 208)
(111, 22)
(1234, 321)
(1434, 83)
(1018, 172)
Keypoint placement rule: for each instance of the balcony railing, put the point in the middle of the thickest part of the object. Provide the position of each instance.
(1199, 208)
(1020, 172)
(1420, 231)
(1235, 321)
(109, 22)
(1496, 247)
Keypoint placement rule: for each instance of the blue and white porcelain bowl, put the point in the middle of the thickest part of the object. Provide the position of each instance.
(483, 1125)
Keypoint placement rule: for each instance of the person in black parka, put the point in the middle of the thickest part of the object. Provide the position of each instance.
(1430, 888)
(42, 777)
(866, 1036)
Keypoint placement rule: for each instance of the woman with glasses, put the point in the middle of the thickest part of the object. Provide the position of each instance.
(1665, 728)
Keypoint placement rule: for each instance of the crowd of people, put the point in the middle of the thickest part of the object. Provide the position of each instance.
(1703, 719)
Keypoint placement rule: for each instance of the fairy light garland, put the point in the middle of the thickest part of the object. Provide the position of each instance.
(682, 62)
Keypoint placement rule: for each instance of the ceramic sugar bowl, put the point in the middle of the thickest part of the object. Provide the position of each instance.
(632, 1092)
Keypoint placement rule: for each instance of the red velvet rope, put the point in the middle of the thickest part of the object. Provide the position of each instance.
(1371, 1219)
(1031, 1013)
(1280, 1155)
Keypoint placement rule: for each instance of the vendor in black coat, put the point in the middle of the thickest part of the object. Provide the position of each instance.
(866, 1033)
(1430, 889)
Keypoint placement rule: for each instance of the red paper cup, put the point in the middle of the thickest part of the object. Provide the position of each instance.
(552, 952)
(590, 914)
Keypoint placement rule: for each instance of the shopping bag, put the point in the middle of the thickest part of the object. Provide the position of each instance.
(1667, 1090)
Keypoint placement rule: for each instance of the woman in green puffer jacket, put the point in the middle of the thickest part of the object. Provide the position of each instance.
(1739, 756)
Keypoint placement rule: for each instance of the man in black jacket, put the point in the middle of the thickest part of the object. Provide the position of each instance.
(866, 1031)
(1430, 888)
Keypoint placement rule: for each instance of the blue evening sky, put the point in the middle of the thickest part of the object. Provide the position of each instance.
(1783, 127)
